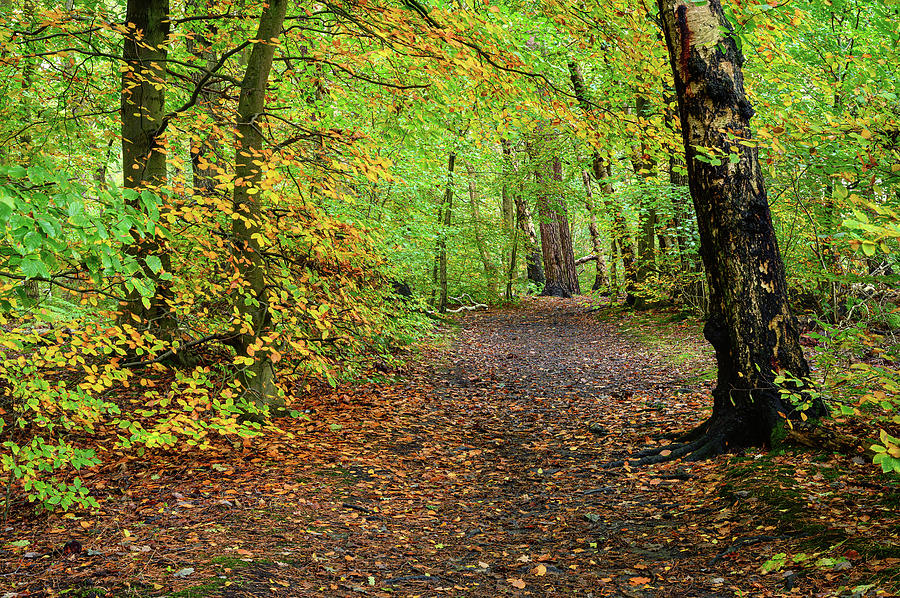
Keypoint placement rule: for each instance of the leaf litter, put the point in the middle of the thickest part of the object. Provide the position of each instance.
(479, 472)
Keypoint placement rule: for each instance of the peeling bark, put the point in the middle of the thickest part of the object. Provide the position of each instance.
(750, 326)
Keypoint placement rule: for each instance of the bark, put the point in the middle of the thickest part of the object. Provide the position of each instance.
(750, 326)
(561, 278)
(447, 210)
(144, 151)
(258, 378)
(490, 268)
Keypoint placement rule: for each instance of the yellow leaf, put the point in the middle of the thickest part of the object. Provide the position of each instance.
(540, 570)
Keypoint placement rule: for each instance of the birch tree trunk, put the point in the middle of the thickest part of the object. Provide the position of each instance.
(750, 326)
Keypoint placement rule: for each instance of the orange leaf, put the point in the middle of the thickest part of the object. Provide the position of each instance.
(516, 583)
(639, 581)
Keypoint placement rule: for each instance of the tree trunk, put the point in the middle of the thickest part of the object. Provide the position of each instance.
(533, 261)
(258, 377)
(750, 326)
(600, 279)
(442, 243)
(603, 174)
(206, 144)
(619, 231)
(143, 151)
(556, 235)
(644, 168)
(490, 268)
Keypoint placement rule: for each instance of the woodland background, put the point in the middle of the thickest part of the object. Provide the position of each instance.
(209, 208)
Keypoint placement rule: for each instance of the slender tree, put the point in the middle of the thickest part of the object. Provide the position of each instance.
(445, 216)
(533, 261)
(258, 377)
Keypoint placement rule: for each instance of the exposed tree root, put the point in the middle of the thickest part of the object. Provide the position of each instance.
(703, 442)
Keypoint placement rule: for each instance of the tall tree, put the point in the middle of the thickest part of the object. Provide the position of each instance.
(533, 259)
(445, 215)
(258, 376)
(490, 268)
(750, 326)
(144, 151)
(602, 171)
(561, 277)
(601, 280)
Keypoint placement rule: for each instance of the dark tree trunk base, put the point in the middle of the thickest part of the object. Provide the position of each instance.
(710, 439)
(556, 290)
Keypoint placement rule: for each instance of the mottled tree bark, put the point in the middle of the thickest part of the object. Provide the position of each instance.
(750, 326)
(258, 377)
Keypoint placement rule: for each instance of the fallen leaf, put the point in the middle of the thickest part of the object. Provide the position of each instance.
(517, 583)
(539, 570)
(639, 581)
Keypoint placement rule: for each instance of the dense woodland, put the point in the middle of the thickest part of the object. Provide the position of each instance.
(211, 208)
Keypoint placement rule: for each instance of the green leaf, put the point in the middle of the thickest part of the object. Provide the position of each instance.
(154, 263)
(33, 268)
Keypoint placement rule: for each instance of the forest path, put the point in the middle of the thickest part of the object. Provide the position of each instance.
(494, 484)
(478, 472)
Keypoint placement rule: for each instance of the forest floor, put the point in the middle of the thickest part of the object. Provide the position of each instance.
(480, 472)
